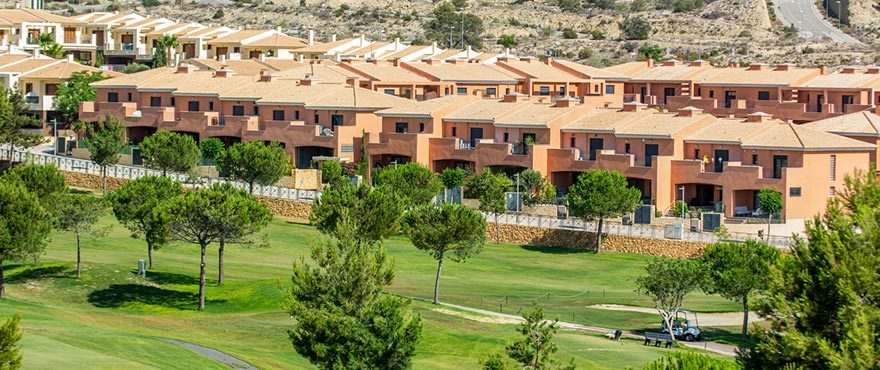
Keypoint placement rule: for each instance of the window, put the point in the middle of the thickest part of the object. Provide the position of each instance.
(129, 96)
(421, 127)
(626, 148)
(506, 137)
(237, 110)
(29, 88)
(236, 49)
(454, 131)
(832, 168)
(317, 119)
(609, 89)
(491, 91)
(562, 91)
(211, 105)
(401, 127)
(278, 115)
(173, 103)
(296, 115)
(256, 110)
(193, 106)
(111, 97)
(336, 120)
(389, 91)
(754, 159)
(696, 154)
(794, 192)
(544, 90)
(832, 191)
(572, 142)
(155, 101)
(763, 95)
(711, 93)
(51, 89)
(461, 91)
(507, 92)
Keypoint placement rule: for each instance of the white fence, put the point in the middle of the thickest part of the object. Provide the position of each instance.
(131, 172)
(637, 230)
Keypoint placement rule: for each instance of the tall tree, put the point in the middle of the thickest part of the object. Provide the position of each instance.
(599, 195)
(24, 226)
(377, 213)
(201, 216)
(78, 214)
(453, 28)
(342, 318)
(44, 180)
(211, 148)
(76, 90)
(165, 46)
(415, 184)
(135, 205)
(490, 188)
(10, 346)
(255, 162)
(448, 230)
(823, 302)
(14, 116)
(243, 216)
(170, 151)
(667, 281)
(770, 201)
(536, 347)
(105, 144)
(739, 270)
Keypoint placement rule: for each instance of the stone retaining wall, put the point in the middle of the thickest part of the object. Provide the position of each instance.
(89, 181)
(297, 210)
(518, 234)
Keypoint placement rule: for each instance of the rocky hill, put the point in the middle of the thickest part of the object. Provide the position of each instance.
(721, 31)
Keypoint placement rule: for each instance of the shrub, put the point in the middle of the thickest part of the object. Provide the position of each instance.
(638, 6)
(135, 68)
(218, 14)
(569, 33)
(597, 34)
(331, 172)
(211, 148)
(150, 3)
(570, 5)
(453, 177)
(585, 53)
(689, 361)
(635, 28)
(679, 208)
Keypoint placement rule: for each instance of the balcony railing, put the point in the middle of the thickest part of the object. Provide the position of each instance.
(519, 149)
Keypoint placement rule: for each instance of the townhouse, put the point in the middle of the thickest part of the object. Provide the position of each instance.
(250, 44)
(863, 126)
(654, 84)
(21, 29)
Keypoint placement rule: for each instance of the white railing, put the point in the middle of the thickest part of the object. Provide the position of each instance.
(635, 230)
(133, 172)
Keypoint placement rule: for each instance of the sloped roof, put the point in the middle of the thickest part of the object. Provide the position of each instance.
(14, 17)
(384, 72)
(863, 123)
(237, 36)
(605, 120)
(535, 115)
(592, 72)
(843, 80)
(425, 107)
(795, 137)
(540, 71)
(764, 76)
(467, 72)
(63, 70)
(279, 40)
(323, 47)
(485, 110)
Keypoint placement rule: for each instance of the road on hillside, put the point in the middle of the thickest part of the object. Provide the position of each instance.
(804, 15)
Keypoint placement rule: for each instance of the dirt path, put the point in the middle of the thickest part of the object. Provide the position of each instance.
(214, 355)
(705, 318)
(723, 349)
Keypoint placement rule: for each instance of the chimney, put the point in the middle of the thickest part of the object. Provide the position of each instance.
(689, 111)
(265, 75)
(310, 80)
(848, 70)
(223, 72)
(759, 117)
(333, 38)
(222, 59)
(185, 68)
(757, 67)
(311, 37)
(432, 61)
(176, 59)
(565, 102)
(823, 70)
(70, 58)
(670, 63)
(873, 70)
(470, 52)
(548, 61)
(650, 63)
(300, 58)
(733, 65)
(36, 53)
(352, 81)
(363, 39)
(456, 61)
(699, 63)
(515, 97)
(634, 106)
(785, 67)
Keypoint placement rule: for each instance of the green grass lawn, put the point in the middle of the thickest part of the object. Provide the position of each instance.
(111, 318)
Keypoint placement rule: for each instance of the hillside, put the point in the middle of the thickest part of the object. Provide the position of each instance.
(739, 29)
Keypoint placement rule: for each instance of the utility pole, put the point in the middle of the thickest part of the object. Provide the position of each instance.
(55, 135)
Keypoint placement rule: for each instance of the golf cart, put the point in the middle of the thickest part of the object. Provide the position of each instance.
(683, 328)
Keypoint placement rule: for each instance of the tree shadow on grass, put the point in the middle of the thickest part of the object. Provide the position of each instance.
(39, 272)
(118, 295)
(163, 278)
(297, 223)
(555, 250)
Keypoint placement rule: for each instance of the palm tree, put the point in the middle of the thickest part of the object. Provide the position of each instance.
(167, 43)
(53, 50)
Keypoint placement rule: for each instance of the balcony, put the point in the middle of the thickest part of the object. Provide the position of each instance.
(127, 49)
(94, 111)
(154, 117)
(396, 144)
(80, 40)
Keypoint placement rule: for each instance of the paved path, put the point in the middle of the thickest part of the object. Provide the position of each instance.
(214, 355)
(723, 349)
(808, 21)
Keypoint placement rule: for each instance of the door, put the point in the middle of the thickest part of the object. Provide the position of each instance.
(254, 54)
(99, 37)
(220, 51)
(721, 156)
(844, 101)
(820, 100)
(729, 97)
(667, 92)
(651, 150)
(127, 39)
(779, 162)
(643, 92)
(70, 35)
(476, 135)
(595, 144)
(189, 51)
